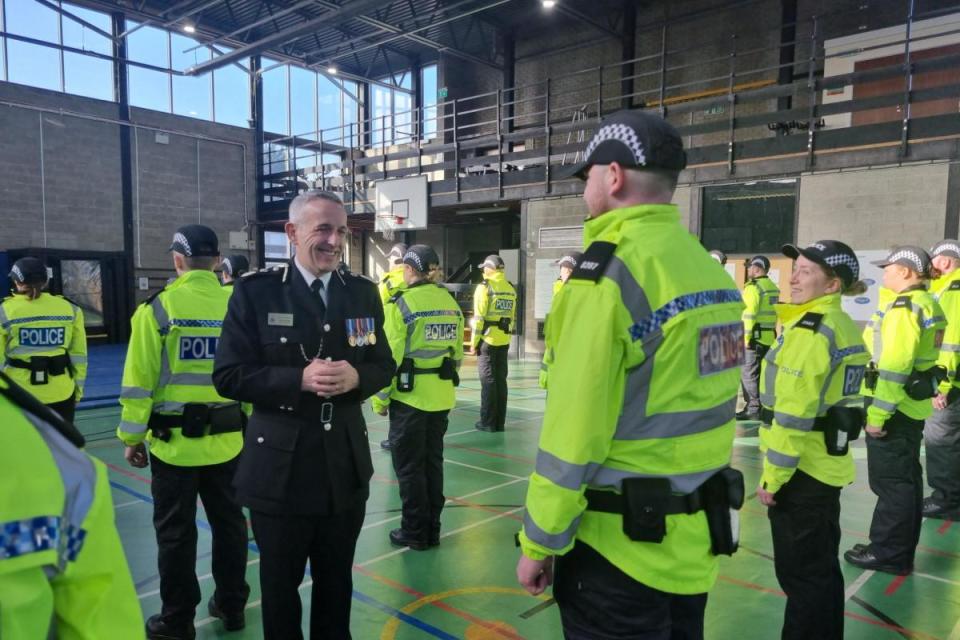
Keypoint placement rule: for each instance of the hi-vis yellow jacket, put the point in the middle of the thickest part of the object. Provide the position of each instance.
(48, 326)
(547, 349)
(494, 298)
(903, 336)
(648, 350)
(818, 362)
(169, 363)
(391, 282)
(423, 322)
(63, 573)
(949, 298)
(759, 318)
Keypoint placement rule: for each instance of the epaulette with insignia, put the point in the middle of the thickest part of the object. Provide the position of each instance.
(810, 321)
(397, 296)
(903, 302)
(281, 270)
(594, 262)
(954, 285)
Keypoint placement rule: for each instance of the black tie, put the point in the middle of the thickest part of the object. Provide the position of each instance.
(317, 287)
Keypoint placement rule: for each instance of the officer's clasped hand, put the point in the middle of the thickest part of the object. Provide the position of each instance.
(328, 378)
(136, 455)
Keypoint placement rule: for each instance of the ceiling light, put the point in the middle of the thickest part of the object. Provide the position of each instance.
(189, 28)
(548, 4)
(332, 70)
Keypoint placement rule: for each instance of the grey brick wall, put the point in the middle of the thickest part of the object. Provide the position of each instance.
(66, 192)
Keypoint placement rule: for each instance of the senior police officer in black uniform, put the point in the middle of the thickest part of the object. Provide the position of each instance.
(305, 344)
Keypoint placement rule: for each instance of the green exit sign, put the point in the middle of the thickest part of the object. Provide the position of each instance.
(442, 93)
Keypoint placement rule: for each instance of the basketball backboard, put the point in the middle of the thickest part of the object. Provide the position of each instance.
(401, 204)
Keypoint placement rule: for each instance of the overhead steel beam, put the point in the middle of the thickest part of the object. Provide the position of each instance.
(330, 19)
(67, 14)
(399, 33)
(573, 13)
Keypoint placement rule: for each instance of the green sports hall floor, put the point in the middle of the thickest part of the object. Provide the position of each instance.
(466, 587)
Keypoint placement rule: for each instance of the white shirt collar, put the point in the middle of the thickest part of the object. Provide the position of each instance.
(308, 277)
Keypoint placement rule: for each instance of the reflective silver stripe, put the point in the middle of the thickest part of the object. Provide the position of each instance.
(405, 311)
(749, 316)
(769, 370)
(170, 406)
(79, 478)
(543, 366)
(78, 359)
(679, 483)
(856, 401)
(781, 459)
(892, 376)
(21, 350)
(950, 348)
(631, 293)
(793, 422)
(3, 317)
(674, 424)
(427, 353)
(160, 314)
(884, 405)
(562, 473)
(135, 393)
(382, 395)
(190, 379)
(555, 541)
(132, 427)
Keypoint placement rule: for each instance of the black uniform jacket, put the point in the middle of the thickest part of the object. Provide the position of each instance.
(302, 454)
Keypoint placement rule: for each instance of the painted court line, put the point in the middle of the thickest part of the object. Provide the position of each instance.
(127, 504)
(859, 582)
(470, 466)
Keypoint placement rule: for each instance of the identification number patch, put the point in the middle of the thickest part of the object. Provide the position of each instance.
(720, 348)
(47, 337)
(503, 304)
(440, 332)
(853, 378)
(201, 348)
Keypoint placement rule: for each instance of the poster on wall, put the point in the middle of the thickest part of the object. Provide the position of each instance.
(545, 275)
(862, 307)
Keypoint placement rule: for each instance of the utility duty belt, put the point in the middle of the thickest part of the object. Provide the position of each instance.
(646, 502)
(198, 420)
(920, 385)
(840, 426)
(42, 367)
(500, 323)
(407, 373)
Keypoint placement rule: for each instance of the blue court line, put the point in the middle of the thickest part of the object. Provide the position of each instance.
(362, 597)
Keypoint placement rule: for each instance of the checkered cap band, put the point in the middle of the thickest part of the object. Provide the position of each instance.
(945, 247)
(846, 260)
(623, 134)
(180, 239)
(910, 256)
(17, 274)
(411, 255)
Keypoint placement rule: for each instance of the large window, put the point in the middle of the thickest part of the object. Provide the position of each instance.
(87, 71)
(428, 80)
(221, 96)
(310, 105)
(393, 121)
(750, 217)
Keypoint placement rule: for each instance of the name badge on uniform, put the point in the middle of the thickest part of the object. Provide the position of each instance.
(720, 348)
(279, 319)
(361, 332)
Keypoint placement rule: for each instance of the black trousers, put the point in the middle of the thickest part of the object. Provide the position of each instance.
(175, 490)
(492, 369)
(599, 602)
(893, 467)
(416, 445)
(66, 408)
(286, 543)
(941, 434)
(806, 542)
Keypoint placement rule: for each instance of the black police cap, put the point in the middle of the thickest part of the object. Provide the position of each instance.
(236, 265)
(29, 270)
(421, 257)
(833, 254)
(195, 240)
(634, 140)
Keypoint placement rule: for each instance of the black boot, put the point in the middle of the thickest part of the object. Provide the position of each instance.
(232, 621)
(160, 629)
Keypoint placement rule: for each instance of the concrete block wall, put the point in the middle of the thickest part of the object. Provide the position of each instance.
(876, 208)
(65, 192)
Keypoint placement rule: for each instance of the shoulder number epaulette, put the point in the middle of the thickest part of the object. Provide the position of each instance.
(810, 321)
(153, 296)
(954, 285)
(594, 262)
(903, 302)
(397, 296)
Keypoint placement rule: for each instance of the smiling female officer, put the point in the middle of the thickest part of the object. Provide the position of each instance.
(42, 339)
(811, 381)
